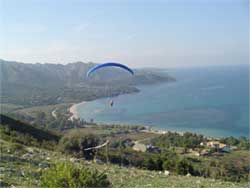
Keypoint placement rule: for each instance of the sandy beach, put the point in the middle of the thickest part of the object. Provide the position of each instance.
(74, 112)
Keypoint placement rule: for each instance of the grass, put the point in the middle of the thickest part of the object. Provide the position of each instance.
(47, 109)
(113, 133)
(24, 166)
(140, 136)
(90, 130)
(13, 128)
(6, 108)
(130, 177)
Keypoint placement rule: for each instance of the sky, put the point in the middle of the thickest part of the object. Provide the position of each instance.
(139, 33)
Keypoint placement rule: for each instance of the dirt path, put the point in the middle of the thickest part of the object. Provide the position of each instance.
(53, 113)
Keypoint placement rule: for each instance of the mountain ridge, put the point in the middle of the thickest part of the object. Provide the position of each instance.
(38, 84)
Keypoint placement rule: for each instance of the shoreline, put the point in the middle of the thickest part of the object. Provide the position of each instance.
(73, 110)
(74, 114)
(149, 129)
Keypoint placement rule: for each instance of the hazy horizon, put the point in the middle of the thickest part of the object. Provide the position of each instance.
(137, 33)
(140, 67)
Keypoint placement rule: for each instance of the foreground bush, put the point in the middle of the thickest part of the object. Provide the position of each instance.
(70, 176)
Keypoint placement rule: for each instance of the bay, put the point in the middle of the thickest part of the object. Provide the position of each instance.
(213, 101)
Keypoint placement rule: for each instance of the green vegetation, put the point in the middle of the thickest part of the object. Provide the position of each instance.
(241, 142)
(33, 112)
(28, 166)
(6, 108)
(76, 144)
(174, 158)
(44, 147)
(52, 117)
(16, 131)
(187, 140)
(31, 84)
(32, 156)
(236, 166)
(68, 175)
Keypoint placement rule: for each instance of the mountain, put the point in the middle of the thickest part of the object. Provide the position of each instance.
(38, 84)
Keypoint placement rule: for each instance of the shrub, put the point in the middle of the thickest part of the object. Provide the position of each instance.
(66, 174)
(159, 164)
(183, 167)
(17, 147)
(169, 165)
(149, 164)
(76, 143)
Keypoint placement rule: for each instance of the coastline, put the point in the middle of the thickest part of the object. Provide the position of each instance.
(73, 111)
(148, 129)
(74, 114)
(209, 119)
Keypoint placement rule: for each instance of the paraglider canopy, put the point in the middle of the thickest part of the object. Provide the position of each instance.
(109, 64)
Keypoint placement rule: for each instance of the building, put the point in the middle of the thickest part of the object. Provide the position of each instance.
(213, 144)
(144, 148)
(204, 153)
(219, 146)
(153, 149)
(225, 148)
(140, 147)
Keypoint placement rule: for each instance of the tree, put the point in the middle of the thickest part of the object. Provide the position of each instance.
(40, 119)
(149, 164)
(183, 167)
(230, 141)
(169, 165)
(88, 141)
(69, 144)
(159, 164)
(77, 144)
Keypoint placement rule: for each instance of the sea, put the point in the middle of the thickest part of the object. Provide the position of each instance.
(212, 100)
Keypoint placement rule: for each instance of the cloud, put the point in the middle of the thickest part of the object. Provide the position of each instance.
(28, 28)
(81, 27)
(130, 37)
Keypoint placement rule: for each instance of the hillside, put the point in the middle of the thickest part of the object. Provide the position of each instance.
(43, 84)
(27, 153)
(30, 162)
(23, 132)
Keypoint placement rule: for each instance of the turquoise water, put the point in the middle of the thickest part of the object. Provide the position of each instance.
(213, 101)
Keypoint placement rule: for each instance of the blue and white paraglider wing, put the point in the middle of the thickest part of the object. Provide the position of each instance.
(110, 64)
